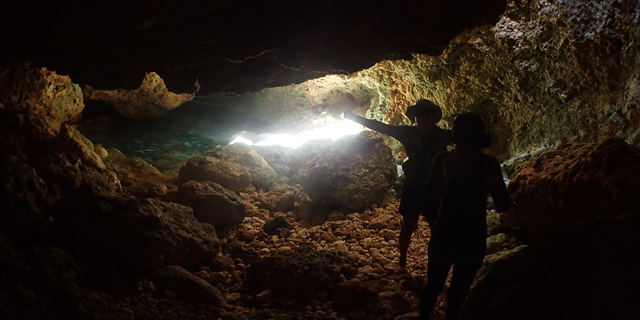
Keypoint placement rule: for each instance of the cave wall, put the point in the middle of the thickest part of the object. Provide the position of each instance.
(547, 72)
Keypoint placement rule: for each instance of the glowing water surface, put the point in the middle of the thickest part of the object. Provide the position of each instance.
(333, 131)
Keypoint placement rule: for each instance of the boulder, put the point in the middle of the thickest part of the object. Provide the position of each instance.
(72, 140)
(586, 271)
(575, 182)
(211, 203)
(142, 234)
(187, 286)
(262, 174)
(137, 177)
(42, 98)
(281, 199)
(204, 168)
(356, 173)
(274, 226)
(300, 274)
(353, 293)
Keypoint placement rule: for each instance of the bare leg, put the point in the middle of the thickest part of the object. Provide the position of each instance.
(409, 225)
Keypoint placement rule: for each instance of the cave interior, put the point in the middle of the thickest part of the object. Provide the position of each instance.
(190, 159)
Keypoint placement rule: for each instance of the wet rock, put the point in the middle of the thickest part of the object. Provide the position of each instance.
(42, 99)
(576, 182)
(187, 286)
(356, 173)
(301, 274)
(203, 168)
(212, 203)
(591, 267)
(273, 226)
(262, 174)
(152, 99)
(142, 234)
(281, 199)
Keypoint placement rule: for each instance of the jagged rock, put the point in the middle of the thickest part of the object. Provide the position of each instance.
(72, 140)
(575, 182)
(356, 173)
(211, 203)
(301, 274)
(24, 196)
(152, 99)
(262, 174)
(42, 98)
(281, 199)
(203, 168)
(136, 176)
(188, 286)
(142, 234)
(495, 242)
(273, 226)
(586, 271)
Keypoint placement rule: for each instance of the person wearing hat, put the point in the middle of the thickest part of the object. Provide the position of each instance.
(421, 143)
(460, 182)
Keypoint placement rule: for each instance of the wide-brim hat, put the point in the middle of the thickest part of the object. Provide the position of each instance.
(468, 129)
(424, 105)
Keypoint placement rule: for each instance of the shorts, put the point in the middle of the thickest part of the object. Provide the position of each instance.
(413, 205)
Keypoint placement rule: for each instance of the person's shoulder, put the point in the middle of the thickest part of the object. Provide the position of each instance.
(490, 159)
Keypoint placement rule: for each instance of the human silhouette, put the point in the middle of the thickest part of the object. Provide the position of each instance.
(421, 143)
(460, 182)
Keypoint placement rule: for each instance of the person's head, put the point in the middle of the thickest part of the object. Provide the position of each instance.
(424, 113)
(468, 130)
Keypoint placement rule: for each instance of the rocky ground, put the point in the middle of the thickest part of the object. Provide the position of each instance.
(369, 238)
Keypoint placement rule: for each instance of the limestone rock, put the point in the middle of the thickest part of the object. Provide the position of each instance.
(143, 234)
(24, 196)
(357, 173)
(204, 168)
(211, 203)
(42, 98)
(188, 286)
(71, 139)
(576, 182)
(281, 199)
(136, 176)
(152, 99)
(262, 174)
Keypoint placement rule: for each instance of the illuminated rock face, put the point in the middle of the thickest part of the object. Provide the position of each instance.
(151, 99)
(574, 183)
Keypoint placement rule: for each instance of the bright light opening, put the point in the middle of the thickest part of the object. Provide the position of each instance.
(333, 131)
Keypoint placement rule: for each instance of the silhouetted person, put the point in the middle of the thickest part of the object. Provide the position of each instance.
(421, 143)
(460, 182)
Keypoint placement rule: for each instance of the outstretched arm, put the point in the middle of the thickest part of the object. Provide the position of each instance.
(371, 124)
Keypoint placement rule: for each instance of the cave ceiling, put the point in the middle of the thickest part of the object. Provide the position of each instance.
(228, 46)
